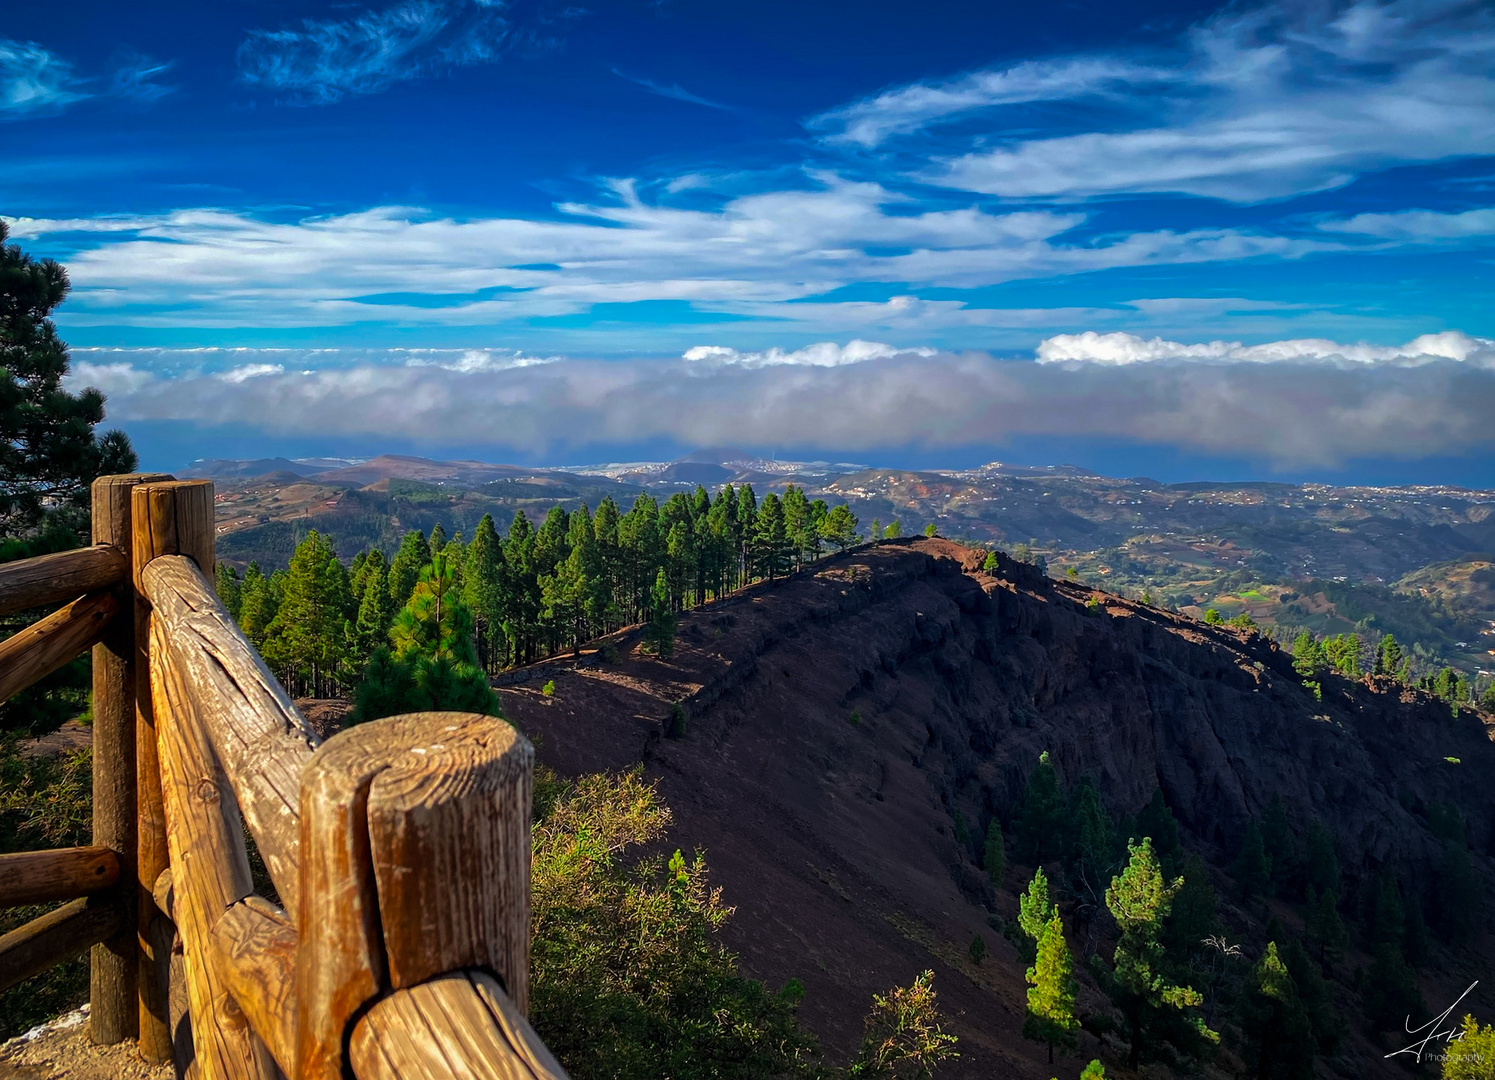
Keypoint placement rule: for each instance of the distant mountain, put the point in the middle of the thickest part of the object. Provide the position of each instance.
(226, 468)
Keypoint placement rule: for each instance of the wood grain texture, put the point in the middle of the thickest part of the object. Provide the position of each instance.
(57, 936)
(47, 644)
(166, 517)
(415, 862)
(254, 946)
(66, 575)
(259, 738)
(42, 877)
(460, 1026)
(449, 831)
(172, 518)
(339, 957)
(210, 869)
(113, 969)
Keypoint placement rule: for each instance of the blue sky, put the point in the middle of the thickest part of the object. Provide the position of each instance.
(1247, 241)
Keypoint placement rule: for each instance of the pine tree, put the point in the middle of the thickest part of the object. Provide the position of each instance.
(375, 612)
(1314, 992)
(49, 451)
(483, 582)
(1040, 824)
(1253, 872)
(1140, 899)
(1309, 660)
(432, 666)
(1051, 1015)
(437, 543)
(305, 640)
(840, 527)
(1471, 1055)
(1324, 926)
(1279, 1040)
(257, 604)
(50, 454)
(405, 570)
(995, 854)
(1193, 915)
(1156, 821)
(1389, 658)
(659, 634)
(771, 539)
(1034, 908)
(226, 585)
(1088, 834)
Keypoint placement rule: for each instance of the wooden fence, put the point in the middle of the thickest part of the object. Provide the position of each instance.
(400, 849)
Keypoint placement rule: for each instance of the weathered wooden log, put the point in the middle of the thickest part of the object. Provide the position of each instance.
(259, 738)
(59, 935)
(460, 1025)
(43, 877)
(65, 575)
(414, 862)
(113, 970)
(166, 518)
(210, 869)
(44, 646)
(254, 946)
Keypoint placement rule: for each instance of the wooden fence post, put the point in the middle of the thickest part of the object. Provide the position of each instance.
(415, 860)
(112, 1015)
(167, 518)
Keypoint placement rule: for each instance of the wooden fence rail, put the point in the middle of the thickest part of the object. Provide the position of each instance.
(399, 849)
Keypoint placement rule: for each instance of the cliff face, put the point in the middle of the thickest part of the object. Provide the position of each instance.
(837, 721)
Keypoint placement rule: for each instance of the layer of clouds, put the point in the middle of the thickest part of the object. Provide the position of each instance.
(324, 60)
(821, 354)
(1253, 104)
(1312, 407)
(229, 269)
(1118, 349)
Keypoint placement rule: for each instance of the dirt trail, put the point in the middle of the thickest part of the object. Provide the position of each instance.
(61, 1048)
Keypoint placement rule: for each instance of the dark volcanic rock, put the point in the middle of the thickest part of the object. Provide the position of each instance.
(837, 839)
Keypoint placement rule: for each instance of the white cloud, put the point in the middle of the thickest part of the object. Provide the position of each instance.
(32, 79)
(325, 60)
(1418, 226)
(468, 361)
(1254, 105)
(245, 372)
(871, 122)
(821, 354)
(1312, 411)
(231, 269)
(1117, 349)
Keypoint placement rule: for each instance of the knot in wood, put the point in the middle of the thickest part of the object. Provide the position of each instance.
(206, 791)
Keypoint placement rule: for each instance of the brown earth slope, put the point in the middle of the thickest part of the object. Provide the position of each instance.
(836, 840)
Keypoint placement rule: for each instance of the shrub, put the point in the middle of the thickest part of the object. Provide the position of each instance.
(548, 689)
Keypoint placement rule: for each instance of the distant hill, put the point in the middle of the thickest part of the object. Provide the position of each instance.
(851, 731)
(1245, 547)
(224, 468)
